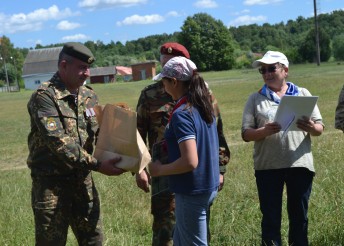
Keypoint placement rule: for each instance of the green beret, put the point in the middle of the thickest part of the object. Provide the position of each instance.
(79, 51)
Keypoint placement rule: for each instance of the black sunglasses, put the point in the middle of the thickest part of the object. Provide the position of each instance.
(270, 69)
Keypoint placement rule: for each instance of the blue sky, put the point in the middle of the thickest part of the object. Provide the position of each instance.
(31, 22)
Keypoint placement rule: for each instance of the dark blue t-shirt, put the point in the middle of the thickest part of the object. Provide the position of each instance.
(188, 124)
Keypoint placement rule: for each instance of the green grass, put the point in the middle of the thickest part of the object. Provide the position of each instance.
(235, 216)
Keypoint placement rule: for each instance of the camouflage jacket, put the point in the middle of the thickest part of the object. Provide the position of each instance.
(339, 118)
(63, 130)
(153, 110)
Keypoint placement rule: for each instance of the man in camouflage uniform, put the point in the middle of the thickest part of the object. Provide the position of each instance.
(61, 143)
(339, 118)
(153, 110)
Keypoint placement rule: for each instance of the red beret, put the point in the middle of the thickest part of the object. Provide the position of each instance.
(174, 49)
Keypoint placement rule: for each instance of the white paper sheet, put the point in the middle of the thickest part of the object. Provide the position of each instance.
(292, 108)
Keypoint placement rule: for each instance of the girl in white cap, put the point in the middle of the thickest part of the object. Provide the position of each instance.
(192, 145)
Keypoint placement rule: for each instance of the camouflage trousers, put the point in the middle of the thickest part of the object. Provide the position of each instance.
(162, 208)
(60, 202)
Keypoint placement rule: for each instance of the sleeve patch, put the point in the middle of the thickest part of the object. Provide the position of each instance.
(51, 124)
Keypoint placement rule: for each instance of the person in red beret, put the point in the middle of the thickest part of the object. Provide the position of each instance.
(153, 111)
(170, 50)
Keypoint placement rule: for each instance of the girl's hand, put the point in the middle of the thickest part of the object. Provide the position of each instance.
(154, 168)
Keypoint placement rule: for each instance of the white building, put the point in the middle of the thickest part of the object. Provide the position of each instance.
(39, 66)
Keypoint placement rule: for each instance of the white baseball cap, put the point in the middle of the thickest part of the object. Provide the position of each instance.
(271, 57)
(177, 67)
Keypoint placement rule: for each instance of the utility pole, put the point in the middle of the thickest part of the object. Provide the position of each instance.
(15, 69)
(316, 33)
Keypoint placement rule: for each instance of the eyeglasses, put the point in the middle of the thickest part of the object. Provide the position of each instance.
(264, 70)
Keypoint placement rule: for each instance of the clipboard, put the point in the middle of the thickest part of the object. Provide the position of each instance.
(292, 108)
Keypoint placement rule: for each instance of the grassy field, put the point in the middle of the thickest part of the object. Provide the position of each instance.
(235, 214)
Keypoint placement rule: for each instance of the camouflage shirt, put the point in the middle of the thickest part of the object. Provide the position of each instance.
(63, 129)
(153, 110)
(339, 118)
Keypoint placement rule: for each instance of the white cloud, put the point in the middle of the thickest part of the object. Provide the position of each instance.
(66, 25)
(260, 2)
(10, 28)
(245, 11)
(38, 41)
(247, 20)
(205, 4)
(32, 21)
(88, 3)
(173, 14)
(141, 20)
(52, 13)
(32, 42)
(94, 4)
(76, 37)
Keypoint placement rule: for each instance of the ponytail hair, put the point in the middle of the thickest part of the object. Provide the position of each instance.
(199, 96)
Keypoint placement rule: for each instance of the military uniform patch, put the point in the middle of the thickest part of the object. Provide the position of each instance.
(90, 112)
(51, 124)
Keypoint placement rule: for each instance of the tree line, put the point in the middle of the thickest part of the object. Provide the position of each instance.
(212, 45)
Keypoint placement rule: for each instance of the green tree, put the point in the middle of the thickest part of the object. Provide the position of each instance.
(338, 47)
(209, 42)
(130, 47)
(12, 59)
(308, 49)
(92, 46)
